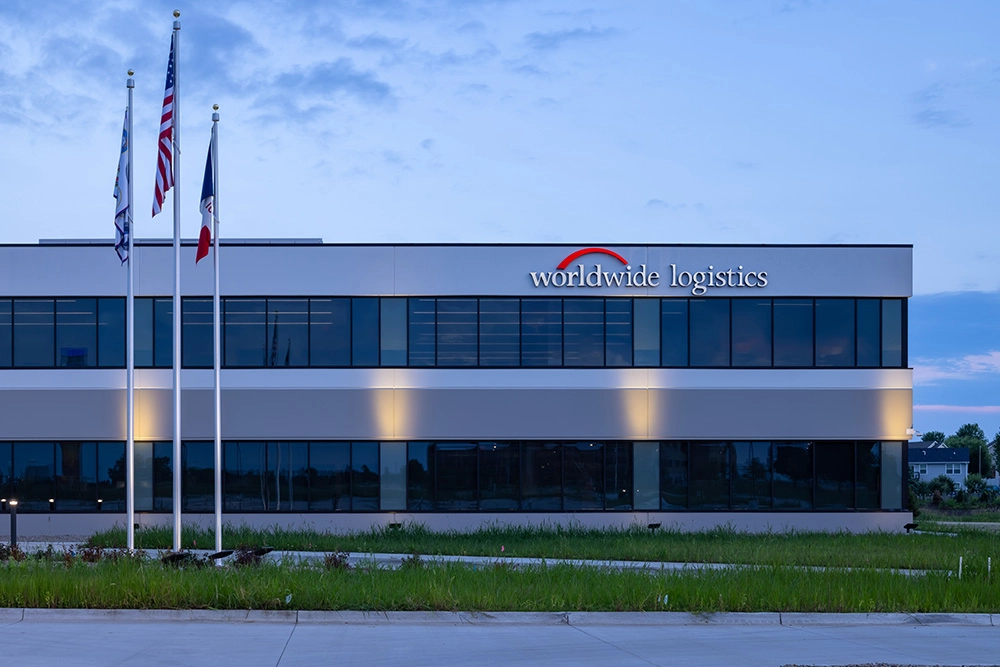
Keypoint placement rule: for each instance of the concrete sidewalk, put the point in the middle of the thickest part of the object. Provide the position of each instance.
(296, 639)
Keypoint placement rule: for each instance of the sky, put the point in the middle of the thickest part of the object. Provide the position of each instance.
(578, 121)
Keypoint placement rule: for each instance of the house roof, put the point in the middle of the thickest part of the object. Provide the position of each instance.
(938, 455)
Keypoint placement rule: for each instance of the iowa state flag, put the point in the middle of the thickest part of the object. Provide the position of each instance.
(206, 208)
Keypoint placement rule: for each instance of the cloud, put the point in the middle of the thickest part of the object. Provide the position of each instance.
(547, 41)
(979, 409)
(451, 58)
(376, 42)
(931, 371)
(338, 77)
(660, 204)
(529, 70)
(471, 27)
(940, 118)
(427, 144)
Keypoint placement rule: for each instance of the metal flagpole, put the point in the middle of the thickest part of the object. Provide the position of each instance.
(176, 166)
(217, 347)
(130, 343)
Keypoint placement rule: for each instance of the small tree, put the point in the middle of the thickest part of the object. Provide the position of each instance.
(942, 484)
(975, 484)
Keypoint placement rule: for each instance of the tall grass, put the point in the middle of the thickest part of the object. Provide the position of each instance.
(870, 550)
(148, 585)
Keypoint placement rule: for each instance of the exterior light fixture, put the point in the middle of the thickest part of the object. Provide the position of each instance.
(13, 522)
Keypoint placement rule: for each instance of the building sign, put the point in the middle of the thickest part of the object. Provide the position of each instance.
(596, 275)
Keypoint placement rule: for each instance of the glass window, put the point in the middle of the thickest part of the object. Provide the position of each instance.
(709, 475)
(143, 335)
(330, 332)
(456, 476)
(751, 332)
(892, 333)
(583, 332)
(869, 339)
(583, 475)
(618, 336)
(793, 332)
(673, 475)
(198, 477)
(618, 473)
(422, 336)
(834, 332)
(364, 476)
(869, 461)
(243, 477)
(393, 332)
(32, 472)
(111, 333)
(709, 332)
(541, 476)
(34, 333)
(499, 476)
(364, 332)
(457, 332)
(541, 332)
(245, 326)
(163, 476)
(111, 476)
(646, 338)
(674, 332)
(499, 332)
(286, 487)
(288, 332)
(752, 475)
(76, 332)
(5, 470)
(6, 334)
(196, 336)
(419, 476)
(163, 333)
(330, 476)
(76, 476)
(835, 475)
(793, 475)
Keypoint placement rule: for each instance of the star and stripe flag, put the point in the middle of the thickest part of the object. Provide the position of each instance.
(165, 148)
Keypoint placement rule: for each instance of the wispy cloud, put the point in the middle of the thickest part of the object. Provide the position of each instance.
(547, 41)
(376, 42)
(940, 118)
(931, 371)
(978, 409)
(663, 205)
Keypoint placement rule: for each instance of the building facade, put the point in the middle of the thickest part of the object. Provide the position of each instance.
(760, 387)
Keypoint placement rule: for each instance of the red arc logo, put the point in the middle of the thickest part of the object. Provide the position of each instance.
(587, 251)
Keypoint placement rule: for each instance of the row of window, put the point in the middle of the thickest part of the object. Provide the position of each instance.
(462, 332)
(949, 468)
(447, 476)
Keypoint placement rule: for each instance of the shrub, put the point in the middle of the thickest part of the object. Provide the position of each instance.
(336, 561)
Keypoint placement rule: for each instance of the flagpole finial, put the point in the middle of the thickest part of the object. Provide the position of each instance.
(177, 13)
(131, 72)
(215, 107)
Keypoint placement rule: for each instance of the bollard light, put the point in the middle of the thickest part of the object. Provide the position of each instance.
(13, 522)
(52, 504)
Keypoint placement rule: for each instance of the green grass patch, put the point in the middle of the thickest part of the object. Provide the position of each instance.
(130, 584)
(869, 550)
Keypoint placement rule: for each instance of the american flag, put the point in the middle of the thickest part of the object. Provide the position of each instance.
(164, 161)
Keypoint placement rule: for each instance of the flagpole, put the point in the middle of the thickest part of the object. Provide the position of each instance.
(217, 347)
(176, 167)
(130, 344)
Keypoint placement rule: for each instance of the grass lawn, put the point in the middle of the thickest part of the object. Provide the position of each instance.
(872, 550)
(769, 576)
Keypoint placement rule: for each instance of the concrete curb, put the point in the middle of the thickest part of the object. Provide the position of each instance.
(575, 619)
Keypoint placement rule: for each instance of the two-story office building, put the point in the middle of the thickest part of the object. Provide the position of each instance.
(762, 387)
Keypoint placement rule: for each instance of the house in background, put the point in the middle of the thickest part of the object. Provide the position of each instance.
(928, 462)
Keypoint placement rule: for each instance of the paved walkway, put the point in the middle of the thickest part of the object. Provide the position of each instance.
(293, 639)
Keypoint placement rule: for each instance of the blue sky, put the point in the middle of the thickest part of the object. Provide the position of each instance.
(759, 121)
